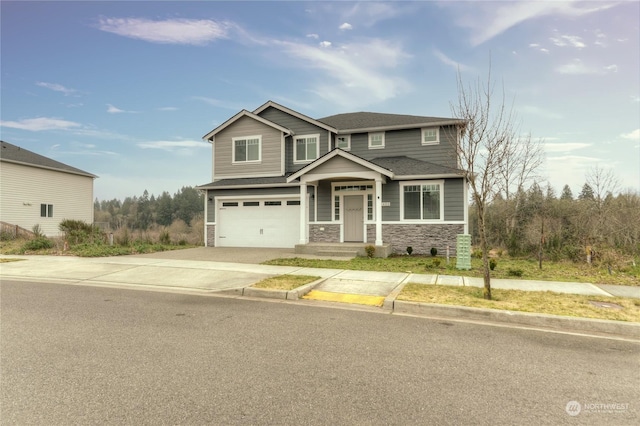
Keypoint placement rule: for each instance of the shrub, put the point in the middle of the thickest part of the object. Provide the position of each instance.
(123, 237)
(38, 243)
(409, 250)
(514, 272)
(370, 250)
(434, 251)
(492, 264)
(78, 231)
(37, 231)
(436, 263)
(164, 237)
(477, 253)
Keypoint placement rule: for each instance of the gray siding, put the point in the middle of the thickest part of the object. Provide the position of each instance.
(391, 194)
(408, 143)
(271, 150)
(325, 203)
(299, 127)
(338, 165)
(453, 199)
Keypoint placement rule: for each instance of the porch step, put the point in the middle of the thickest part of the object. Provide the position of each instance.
(337, 252)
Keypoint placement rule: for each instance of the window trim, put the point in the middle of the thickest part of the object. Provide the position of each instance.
(377, 146)
(422, 132)
(47, 209)
(439, 182)
(348, 139)
(246, 138)
(295, 148)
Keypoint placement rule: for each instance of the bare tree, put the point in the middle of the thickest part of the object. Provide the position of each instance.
(489, 152)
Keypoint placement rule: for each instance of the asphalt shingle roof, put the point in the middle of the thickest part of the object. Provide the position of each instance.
(368, 120)
(258, 181)
(405, 166)
(15, 154)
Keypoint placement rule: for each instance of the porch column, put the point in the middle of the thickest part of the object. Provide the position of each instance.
(378, 212)
(303, 213)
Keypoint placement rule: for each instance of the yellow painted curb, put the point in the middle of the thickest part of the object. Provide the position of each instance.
(359, 299)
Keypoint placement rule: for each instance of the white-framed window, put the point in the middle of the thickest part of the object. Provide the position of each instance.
(46, 210)
(306, 148)
(376, 140)
(422, 200)
(430, 136)
(343, 142)
(247, 149)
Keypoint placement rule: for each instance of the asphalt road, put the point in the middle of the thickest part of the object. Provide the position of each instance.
(89, 355)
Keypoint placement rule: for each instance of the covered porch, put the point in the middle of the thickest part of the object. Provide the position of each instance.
(347, 192)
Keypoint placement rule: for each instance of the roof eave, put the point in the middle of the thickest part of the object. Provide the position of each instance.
(55, 169)
(400, 127)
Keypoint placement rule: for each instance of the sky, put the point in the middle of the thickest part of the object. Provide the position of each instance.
(126, 90)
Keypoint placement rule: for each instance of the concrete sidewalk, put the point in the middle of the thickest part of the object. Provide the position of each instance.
(206, 275)
(334, 285)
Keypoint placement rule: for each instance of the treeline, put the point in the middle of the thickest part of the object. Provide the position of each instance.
(149, 211)
(539, 222)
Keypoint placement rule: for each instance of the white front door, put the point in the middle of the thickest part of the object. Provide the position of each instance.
(354, 218)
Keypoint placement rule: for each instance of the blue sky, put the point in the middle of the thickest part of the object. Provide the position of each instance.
(126, 90)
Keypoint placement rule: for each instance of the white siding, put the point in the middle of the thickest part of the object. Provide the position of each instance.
(24, 188)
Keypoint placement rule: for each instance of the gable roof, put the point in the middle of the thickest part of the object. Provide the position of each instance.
(360, 122)
(295, 114)
(245, 113)
(14, 154)
(339, 152)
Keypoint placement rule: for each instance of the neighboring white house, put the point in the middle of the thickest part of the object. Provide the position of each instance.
(38, 190)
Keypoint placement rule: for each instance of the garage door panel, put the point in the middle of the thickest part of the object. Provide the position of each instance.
(270, 223)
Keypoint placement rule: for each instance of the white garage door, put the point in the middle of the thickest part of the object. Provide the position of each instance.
(273, 222)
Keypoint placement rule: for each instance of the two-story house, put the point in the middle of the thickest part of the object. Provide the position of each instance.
(282, 179)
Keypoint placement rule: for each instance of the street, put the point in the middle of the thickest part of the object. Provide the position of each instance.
(89, 355)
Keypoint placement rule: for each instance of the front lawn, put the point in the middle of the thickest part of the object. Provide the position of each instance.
(611, 308)
(507, 267)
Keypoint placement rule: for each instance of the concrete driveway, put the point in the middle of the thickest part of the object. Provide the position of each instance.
(225, 254)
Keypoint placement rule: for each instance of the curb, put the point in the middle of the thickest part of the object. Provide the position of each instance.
(294, 294)
(620, 328)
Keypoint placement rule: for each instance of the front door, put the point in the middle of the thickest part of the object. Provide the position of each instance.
(353, 218)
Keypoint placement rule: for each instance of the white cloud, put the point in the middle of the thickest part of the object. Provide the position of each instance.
(170, 31)
(370, 13)
(354, 74)
(56, 88)
(40, 124)
(487, 20)
(173, 145)
(568, 40)
(115, 110)
(635, 98)
(565, 147)
(576, 67)
(448, 61)
(325, 44)
(346, 26)
(315, 36)
(167, 109)
(218, 103)
(633, 135)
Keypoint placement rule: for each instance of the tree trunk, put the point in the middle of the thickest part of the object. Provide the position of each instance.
(484, 246)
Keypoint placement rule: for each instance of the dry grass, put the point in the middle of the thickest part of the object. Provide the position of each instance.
(7, 260)
(525, 301)
(285, 282)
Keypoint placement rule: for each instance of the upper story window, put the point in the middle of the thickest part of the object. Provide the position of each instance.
(247, 149)
(343, 142)
(376, 140)
(306, 148)
(422, 201)
(430, 136)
